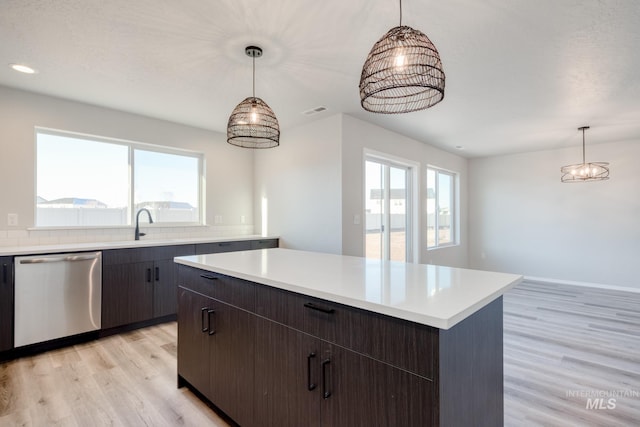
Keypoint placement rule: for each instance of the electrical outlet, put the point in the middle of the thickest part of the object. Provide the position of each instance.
(356, 219)
(217, 219)
(12, 219)
(243, 219)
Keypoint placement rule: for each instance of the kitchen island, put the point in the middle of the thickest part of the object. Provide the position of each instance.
(278, 337)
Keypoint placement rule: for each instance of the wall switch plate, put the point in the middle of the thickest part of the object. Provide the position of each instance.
(356, 219)
(12, 219)
(243, 219)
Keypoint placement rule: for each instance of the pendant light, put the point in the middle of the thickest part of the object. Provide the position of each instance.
(581, 172)
(403, 73)
(253, 124)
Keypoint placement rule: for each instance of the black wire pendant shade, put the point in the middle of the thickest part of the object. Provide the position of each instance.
(585, 171)
(253, 124)
(403, 73)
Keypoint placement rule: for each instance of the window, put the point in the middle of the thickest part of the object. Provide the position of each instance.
(91, 181)
(441, 208)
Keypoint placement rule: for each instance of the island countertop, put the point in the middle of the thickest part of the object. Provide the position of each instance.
(431, 295)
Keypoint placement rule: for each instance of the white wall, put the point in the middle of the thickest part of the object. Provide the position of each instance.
(524, 220)
(314, 182)
(301, 182)
(229, 170)
(358, 135)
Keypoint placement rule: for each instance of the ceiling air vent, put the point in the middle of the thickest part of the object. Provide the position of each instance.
(313, 111)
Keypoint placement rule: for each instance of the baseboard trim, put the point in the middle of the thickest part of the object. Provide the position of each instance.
(584, 284)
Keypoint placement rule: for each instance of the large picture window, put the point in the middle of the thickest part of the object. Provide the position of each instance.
(85, 181)
(441, 208)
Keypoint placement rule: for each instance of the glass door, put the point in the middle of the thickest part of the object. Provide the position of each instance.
(387, 211)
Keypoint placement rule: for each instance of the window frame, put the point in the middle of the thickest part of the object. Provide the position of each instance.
(132, 146)
(455, 238)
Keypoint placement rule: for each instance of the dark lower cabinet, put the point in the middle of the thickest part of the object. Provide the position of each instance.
(127, 293)
(139, 284)
(216, 353)
(193, 339)
(305, 381)
(165, 301)
(264, 373)
(268, 360)
(365, 392)
(6, 303)
(287, 381)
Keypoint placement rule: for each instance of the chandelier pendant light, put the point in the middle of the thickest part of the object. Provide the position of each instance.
(581, 172)
(253, 124)
(403, 73)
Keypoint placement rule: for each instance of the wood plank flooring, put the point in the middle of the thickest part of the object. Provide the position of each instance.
(565, 347)
(562, 345)
(122, 380)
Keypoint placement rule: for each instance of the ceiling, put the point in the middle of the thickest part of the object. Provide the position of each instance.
(522, 75)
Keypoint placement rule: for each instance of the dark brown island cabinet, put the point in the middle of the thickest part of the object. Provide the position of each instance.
(268, 357)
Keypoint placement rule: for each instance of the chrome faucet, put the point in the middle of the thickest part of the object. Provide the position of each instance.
(138, 233)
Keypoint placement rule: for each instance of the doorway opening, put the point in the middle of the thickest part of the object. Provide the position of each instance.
(388, 210)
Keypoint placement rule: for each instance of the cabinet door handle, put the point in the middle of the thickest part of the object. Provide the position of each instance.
(224, 244)
(310, 386)
(212, 330)
(325, 392)
(157, 274)
(208, 277)
(149, 275)
(313, 306)
(203, 311)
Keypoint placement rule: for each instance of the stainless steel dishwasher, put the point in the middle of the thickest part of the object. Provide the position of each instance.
(56, 296)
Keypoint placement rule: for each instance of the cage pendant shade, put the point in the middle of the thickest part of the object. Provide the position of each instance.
(253, 124)
(585, 171)
(403, 73)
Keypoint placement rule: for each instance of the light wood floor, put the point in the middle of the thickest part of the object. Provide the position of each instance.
(562, 345)
(122, 380)
(566, 344)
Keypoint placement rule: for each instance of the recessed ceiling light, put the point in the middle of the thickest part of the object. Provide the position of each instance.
(459, 147)
(23, 68)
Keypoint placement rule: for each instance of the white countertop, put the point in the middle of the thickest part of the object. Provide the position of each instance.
(98, 246)
(428, 294)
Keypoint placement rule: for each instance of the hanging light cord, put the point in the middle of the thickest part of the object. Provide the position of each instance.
(401, 13)
(583, 155)
(254, 75)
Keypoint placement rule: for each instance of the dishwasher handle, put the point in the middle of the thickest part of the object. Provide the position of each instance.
(70, 258)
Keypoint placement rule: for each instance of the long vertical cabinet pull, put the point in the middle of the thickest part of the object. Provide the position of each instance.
(157, 274)
(148, 275)
(203, 313)
(325, 392)
(212, 330)
(310, 385)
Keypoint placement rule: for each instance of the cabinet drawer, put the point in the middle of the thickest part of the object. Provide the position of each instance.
(264, 244)
(378, 336)
(217, 247)
(236, 292)
(152, 253)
